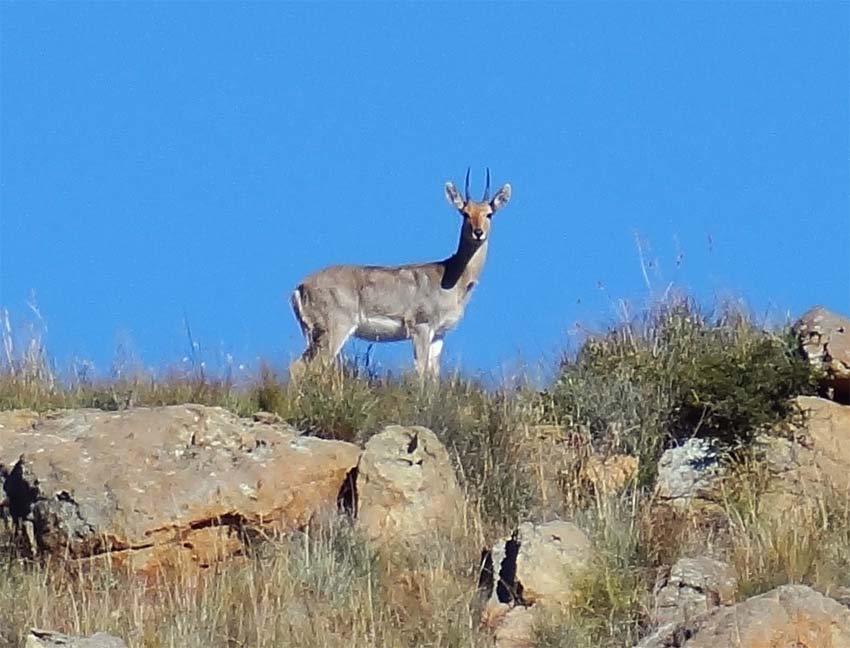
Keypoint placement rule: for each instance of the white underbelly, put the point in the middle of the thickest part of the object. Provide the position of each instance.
(381, 329)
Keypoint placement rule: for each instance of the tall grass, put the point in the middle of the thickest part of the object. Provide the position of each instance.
(322, 588)
(674, 372)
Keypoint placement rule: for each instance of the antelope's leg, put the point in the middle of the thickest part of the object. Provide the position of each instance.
(434, 351)
(325, 343)
(422, 337)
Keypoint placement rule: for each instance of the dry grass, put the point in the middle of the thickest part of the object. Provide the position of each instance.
(801, 541)
(328, 588)
(325, 588)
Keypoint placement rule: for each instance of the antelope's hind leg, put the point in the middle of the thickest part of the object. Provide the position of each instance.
(323, 345)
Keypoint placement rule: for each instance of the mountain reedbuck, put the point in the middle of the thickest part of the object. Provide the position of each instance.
(417, 302)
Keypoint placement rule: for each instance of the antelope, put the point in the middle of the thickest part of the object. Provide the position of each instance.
(417, 302)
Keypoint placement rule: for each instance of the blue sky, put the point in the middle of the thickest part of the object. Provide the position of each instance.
(165, 160)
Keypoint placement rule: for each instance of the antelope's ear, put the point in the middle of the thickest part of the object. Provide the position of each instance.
(501, 198)
(453, 196)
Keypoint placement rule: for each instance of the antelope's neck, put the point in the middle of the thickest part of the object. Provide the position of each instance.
(464, 266)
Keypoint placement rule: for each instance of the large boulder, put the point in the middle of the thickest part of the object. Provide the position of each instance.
(824, 339)
(693, 586)
(812, 463)
(791, 616)
(153, 488)
(538, 565)
(406, 486)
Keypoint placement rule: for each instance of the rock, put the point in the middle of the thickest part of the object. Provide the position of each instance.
(267, 417)
(47, 639)
(689, 474)
(693, 586)
(537, 565)
(406, 486)
(412, 595)
(841, 594)
(12, 421)
(811, 466)
(153, 488)
(540, 563)
(824, 339)
(550, 454)
(609, 475)
(17, 420)
(515, 629)
(791, 616)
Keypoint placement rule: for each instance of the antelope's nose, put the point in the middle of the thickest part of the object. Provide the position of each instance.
(479, 233)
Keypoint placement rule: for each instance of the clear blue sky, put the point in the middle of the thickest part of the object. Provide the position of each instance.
(165, 159)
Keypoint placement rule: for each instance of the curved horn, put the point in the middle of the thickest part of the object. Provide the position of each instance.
(466, 186)
(487, 188)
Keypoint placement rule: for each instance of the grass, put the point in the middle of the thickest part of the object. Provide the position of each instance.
(325, 588)
(807, 541)
(672, 373)
(677, 372)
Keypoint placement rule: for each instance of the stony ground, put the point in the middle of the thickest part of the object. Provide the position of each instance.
(680, 485)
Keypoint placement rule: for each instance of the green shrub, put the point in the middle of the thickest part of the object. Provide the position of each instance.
(676, 373)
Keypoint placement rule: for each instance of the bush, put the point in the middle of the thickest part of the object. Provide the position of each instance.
(677, 373)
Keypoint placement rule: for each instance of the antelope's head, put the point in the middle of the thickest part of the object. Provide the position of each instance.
(477, 214)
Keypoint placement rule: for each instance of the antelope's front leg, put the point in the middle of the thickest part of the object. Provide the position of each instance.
(434, 350)
(422, 337)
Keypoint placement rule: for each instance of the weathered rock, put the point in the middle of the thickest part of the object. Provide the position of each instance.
(824, 339)
(693, 586)
(791, 616)
(515, 628)
(537, 565)
(690, 474)
(47, 639)
(841, 594)
(406, 486)
(609, 475)
(19, 419)
(269, 418)
(152, 488)
(540, 562)
(550, 454)
(813, 465)
(12, 421)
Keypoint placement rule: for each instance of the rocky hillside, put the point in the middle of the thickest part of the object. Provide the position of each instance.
(684, 483)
